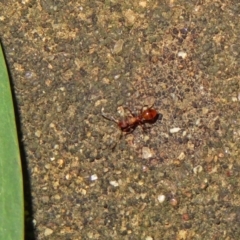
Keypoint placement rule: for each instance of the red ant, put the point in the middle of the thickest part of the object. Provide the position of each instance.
(128, 125)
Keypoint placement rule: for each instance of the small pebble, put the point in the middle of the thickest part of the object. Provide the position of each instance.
(174, 202)
(67, 176)
(197, 169)
(130, 17)
(146, 153)
(118, 46)
(59, 108)
(47, 166)
(56, 146)
(204, 185)
(45, 199)
(182, 54)
(185, 217)
(60, 163)
(181, 156)
(116, 77)
(143, 4)
(38, 133)
(34, 221)
(190, 145)
(182, 234)
(198, 121)
(161, 198)
(175, 130)
(94, 177)
(177, 162)
(57, 197)
(148, 238)
(145, 168)
(114, 183)
(83, 191)
(205, 110)
(48, 231)
(221, 155)
(28, 74)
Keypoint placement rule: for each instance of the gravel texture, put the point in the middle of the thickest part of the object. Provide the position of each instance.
(179, 179)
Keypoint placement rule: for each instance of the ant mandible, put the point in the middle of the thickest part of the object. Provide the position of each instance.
(128, 125)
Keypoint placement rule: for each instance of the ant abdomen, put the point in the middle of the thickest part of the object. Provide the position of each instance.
(149, 115)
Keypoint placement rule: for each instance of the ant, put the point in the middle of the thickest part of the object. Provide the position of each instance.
(128, 125)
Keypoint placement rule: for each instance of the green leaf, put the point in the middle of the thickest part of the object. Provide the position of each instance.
(11, 186)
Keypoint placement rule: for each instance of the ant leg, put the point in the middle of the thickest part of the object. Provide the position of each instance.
(147, 107)
(121, 135)
(114, 120)
(133, 115)
(129, 130)
(116, 143)
(142, 125)
(152, 105)
(108, 118)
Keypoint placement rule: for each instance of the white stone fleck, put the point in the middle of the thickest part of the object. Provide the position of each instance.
(181, 156)
(83, 191)
(94, 177)
(114, 183)
(116, 77)
(67, 176)
(47, 166)
(148, 238)
(182, 54)
(28, 74)
(56, 146)
(57, 197)
(118, 46)
(130, 17)
(175, 130)
(198, 121)
(197, 169)
(38, 133)
(146, 153)
(48, 231)
(161, 198)
(34, 221)
(190, 145)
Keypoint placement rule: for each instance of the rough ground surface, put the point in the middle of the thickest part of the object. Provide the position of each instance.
(177, 180)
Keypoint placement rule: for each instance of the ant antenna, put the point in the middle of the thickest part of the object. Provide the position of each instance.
(113, 120)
